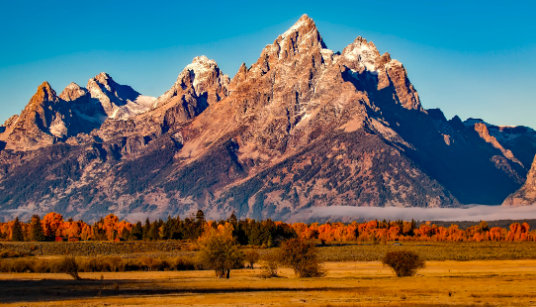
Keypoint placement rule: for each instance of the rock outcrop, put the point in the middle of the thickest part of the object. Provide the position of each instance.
(526, 195)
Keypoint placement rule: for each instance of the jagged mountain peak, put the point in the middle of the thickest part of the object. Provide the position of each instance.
(301, 43)
(200, 84)
(113, 96)
(302, 29)
(199, 72)
(298, 39)
(44, 93)
(362, 55)
(72, 92)
(103, 77)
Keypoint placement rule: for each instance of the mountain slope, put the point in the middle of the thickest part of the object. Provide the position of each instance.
(303, 126)
(526, 195)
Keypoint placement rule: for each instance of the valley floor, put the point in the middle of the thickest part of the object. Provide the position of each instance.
(442, 283)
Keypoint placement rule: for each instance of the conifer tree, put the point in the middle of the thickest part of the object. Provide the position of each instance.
(36, 229)
(200, 217)
(16, 234)
(146, 229)
(153, 233)
(233, 220)
(136, 233)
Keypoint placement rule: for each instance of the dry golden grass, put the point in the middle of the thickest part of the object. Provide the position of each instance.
(478, 283)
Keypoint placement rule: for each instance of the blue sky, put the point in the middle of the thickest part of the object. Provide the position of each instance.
(470, 58)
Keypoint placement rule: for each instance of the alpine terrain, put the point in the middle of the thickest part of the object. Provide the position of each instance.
(303, 126)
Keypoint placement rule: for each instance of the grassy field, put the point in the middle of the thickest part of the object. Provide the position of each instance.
(442, 283)
(460, 251)
(440, 251)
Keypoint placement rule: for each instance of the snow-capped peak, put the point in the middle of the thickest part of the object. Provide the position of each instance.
(302, 22)
(201, 71)
(363, 53)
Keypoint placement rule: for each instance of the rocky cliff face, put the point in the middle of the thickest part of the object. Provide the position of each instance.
(526, 195)
(303, 126)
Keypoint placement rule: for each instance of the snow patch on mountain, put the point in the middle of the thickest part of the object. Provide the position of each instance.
(139, 106)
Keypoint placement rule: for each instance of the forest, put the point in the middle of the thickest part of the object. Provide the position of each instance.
(266, 233)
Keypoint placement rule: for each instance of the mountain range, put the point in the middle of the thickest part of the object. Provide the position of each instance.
(303, 126)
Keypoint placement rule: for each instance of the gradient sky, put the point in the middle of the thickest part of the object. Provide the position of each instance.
(470, 58)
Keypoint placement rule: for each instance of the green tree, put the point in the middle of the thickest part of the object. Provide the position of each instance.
(233, 220)
(136, 233)
(146, 229)
(36, 229)
(16, 233)
(125, 234)
(200, 217)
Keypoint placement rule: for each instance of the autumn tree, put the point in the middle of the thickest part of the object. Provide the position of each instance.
(52, 222)
(109, 226)
(219, 250)
(36, 229)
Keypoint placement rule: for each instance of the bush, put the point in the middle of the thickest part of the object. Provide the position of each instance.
(404, 263)
(252, 256)
(220, 252)
(68, 265)
(270, 265)
(302, 257)
(12, 254)
(96, 264)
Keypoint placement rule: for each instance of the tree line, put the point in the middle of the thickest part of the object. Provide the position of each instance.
(268, 233)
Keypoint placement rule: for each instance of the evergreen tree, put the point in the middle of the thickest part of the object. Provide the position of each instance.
(125, 234)
(36, 229)
(233, 220)
(16, 233)
(154, 231)
(146, 229)
(136, 233)
(200, 217)
(167, 232)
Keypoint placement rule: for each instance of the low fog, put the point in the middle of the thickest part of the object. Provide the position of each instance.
(469, 213)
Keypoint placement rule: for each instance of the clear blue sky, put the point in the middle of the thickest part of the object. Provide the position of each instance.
(470, 58)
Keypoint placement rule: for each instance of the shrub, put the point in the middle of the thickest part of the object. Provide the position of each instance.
(12, 254)
(302, 257)
(252, 256)
(68, 265)
(404, 263)
(270, 264)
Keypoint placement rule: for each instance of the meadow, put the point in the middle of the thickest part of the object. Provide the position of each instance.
(165, 266)
(440, 251)
(441, 283)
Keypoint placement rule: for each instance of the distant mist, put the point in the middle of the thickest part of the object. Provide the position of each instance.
(349, 213)
(469, 213)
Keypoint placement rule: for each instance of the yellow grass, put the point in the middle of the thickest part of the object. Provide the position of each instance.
(479, 283)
